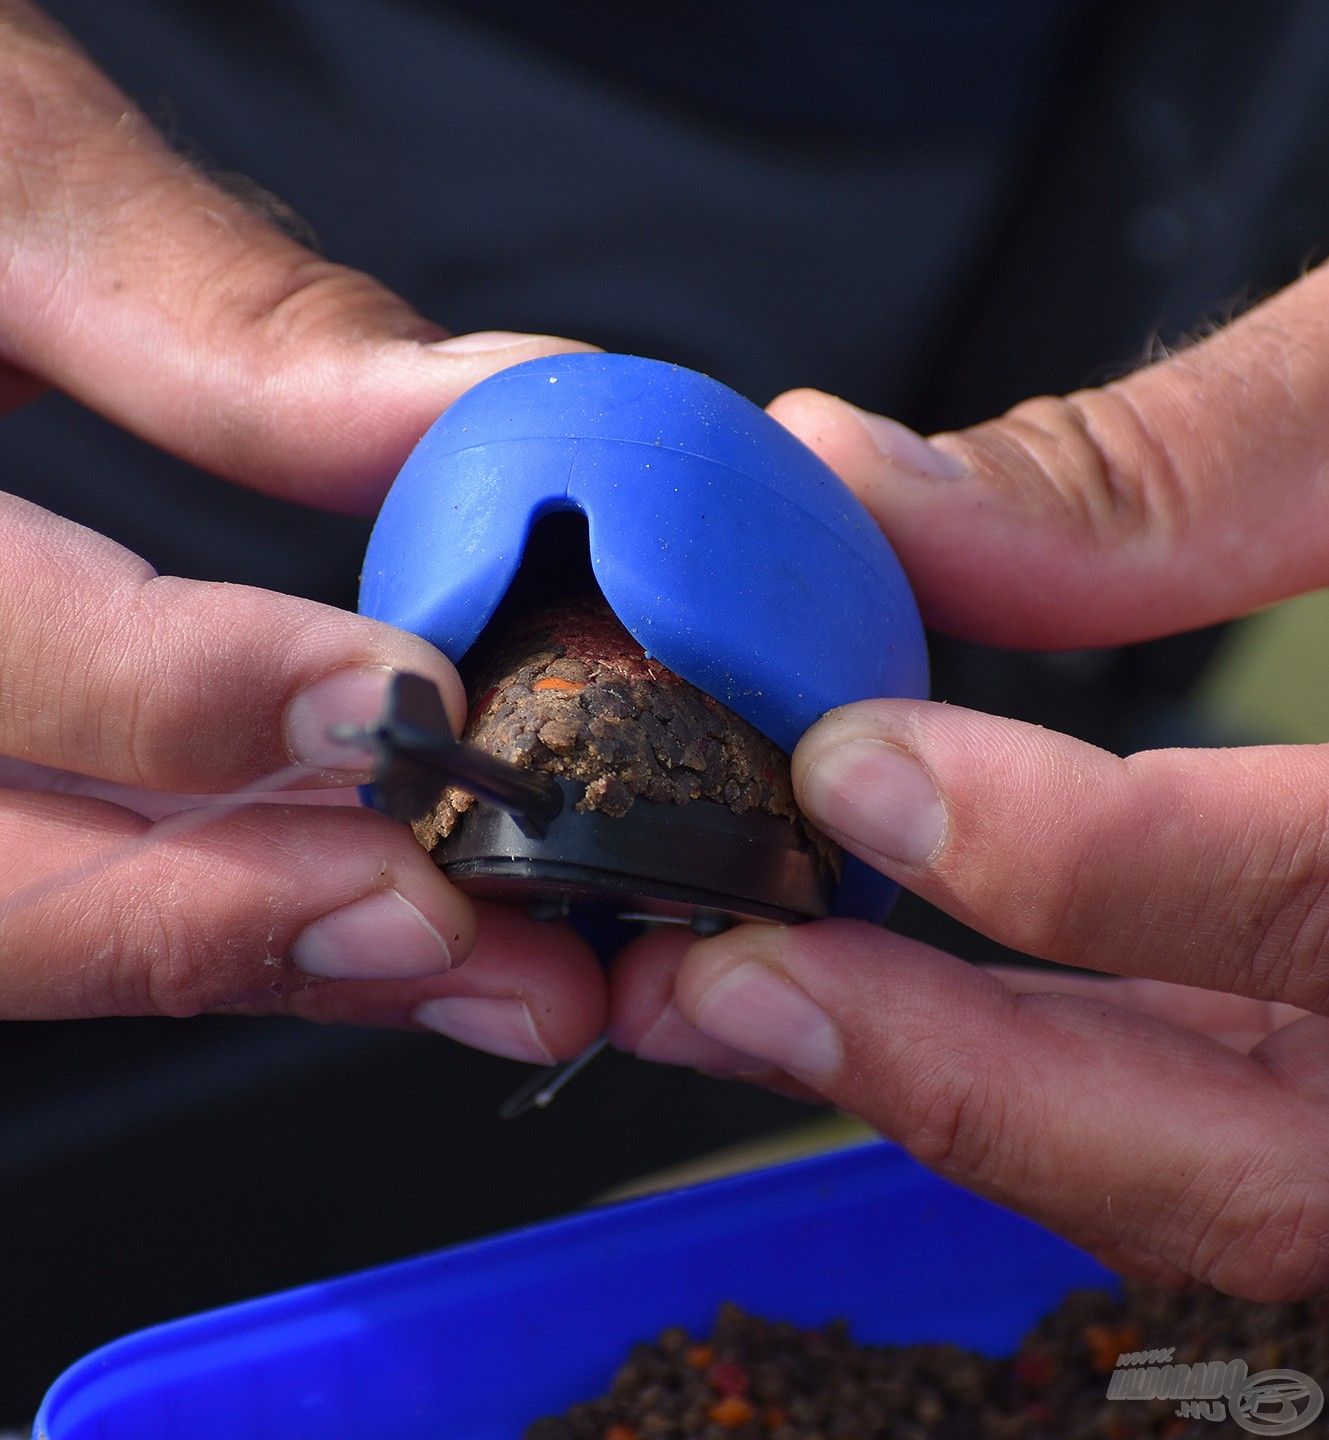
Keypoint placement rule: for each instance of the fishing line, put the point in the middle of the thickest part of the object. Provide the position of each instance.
(159, 832)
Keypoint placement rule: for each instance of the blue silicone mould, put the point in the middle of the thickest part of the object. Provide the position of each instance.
(725, 546)
(476, 1342)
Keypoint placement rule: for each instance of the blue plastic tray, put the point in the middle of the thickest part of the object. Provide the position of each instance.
(475, 1342)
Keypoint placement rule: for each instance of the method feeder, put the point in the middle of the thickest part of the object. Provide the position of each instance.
(727, 551)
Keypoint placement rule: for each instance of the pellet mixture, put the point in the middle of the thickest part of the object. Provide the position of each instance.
(757, 1379)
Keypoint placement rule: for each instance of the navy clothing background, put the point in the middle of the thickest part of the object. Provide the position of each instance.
(933, 207)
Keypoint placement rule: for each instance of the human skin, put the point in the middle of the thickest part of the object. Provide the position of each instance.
(130, 703)
(1173, 1118)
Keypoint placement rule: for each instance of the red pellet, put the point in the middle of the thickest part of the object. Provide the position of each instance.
(728, 1377)
(1034, 1369)
(771, 1379)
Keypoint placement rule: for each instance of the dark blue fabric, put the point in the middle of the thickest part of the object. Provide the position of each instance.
(874, 71)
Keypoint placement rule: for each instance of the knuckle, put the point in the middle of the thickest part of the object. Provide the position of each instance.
(1051, 922)
(1285, 1256)
(145, 723)
(286, 304)
(1057, 918)
(291, 345)
(150, 723)
(951, 1120)
(188, 716)
(158, 967)
(1285, 921)
(1265, 896)
(1070, 811)
(182, 972)
(280, 311)
(1241, 904)
(1269, 1239)
(187, 927)
(1091, 459)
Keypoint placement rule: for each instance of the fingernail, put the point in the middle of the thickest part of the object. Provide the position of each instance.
(479, 340)
(353, 696)
(876, 796)
(502, 1027)
(907, 449)
(382, 937)
(672, 1041)
(762, 1014)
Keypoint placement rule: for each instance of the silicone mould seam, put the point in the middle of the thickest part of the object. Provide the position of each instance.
(580, 441)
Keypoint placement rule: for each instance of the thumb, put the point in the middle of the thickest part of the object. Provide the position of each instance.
(1188, 493)
(175, 309)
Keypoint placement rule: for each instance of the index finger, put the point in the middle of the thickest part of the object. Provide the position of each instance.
(1190, 492)
(133, 282)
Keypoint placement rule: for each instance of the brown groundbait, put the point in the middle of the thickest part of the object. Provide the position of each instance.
(569, 692)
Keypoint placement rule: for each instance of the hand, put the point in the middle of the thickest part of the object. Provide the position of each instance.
(131, 281)
(136, 285)
(1173, 1121)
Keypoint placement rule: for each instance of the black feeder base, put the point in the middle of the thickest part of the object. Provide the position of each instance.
(699, 864)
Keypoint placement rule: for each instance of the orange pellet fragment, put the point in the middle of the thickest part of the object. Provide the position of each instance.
(731, 1412)
(620, 1432)
(1106, 1342)
(556, 682)
(700, 1357)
